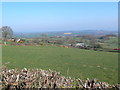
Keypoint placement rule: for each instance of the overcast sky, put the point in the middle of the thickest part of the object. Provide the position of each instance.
(59, 16)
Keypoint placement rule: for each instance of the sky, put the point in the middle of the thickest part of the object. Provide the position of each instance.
(60, 16)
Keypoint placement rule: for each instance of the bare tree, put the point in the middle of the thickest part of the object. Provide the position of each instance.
(44, 37)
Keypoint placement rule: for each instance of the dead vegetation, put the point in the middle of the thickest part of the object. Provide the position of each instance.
(38, 78)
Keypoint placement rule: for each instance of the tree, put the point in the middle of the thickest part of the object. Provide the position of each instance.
(36, 41)
(44, 37)
(60, 42)
(71, 41)
(7, 33)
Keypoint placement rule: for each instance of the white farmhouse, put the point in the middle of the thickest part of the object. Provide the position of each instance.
(80, 45)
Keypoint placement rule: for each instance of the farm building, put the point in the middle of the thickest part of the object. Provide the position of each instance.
(81, 45)
(17, 40)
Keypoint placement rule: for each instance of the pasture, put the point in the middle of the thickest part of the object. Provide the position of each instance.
(72, 62)
(111, 43)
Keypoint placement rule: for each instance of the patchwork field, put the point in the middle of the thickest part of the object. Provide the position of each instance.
(69, 61)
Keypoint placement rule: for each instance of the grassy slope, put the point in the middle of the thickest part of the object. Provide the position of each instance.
(78, 63)
(111, 43)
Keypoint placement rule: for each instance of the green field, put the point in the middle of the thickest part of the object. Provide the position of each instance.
(111, 43)
(69, 61)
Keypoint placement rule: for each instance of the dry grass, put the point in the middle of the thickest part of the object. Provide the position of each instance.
(38, 78)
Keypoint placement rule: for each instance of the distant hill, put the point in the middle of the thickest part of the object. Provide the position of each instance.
(61, 33)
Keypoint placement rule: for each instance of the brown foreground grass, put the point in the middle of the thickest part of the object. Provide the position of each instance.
(38, 78)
